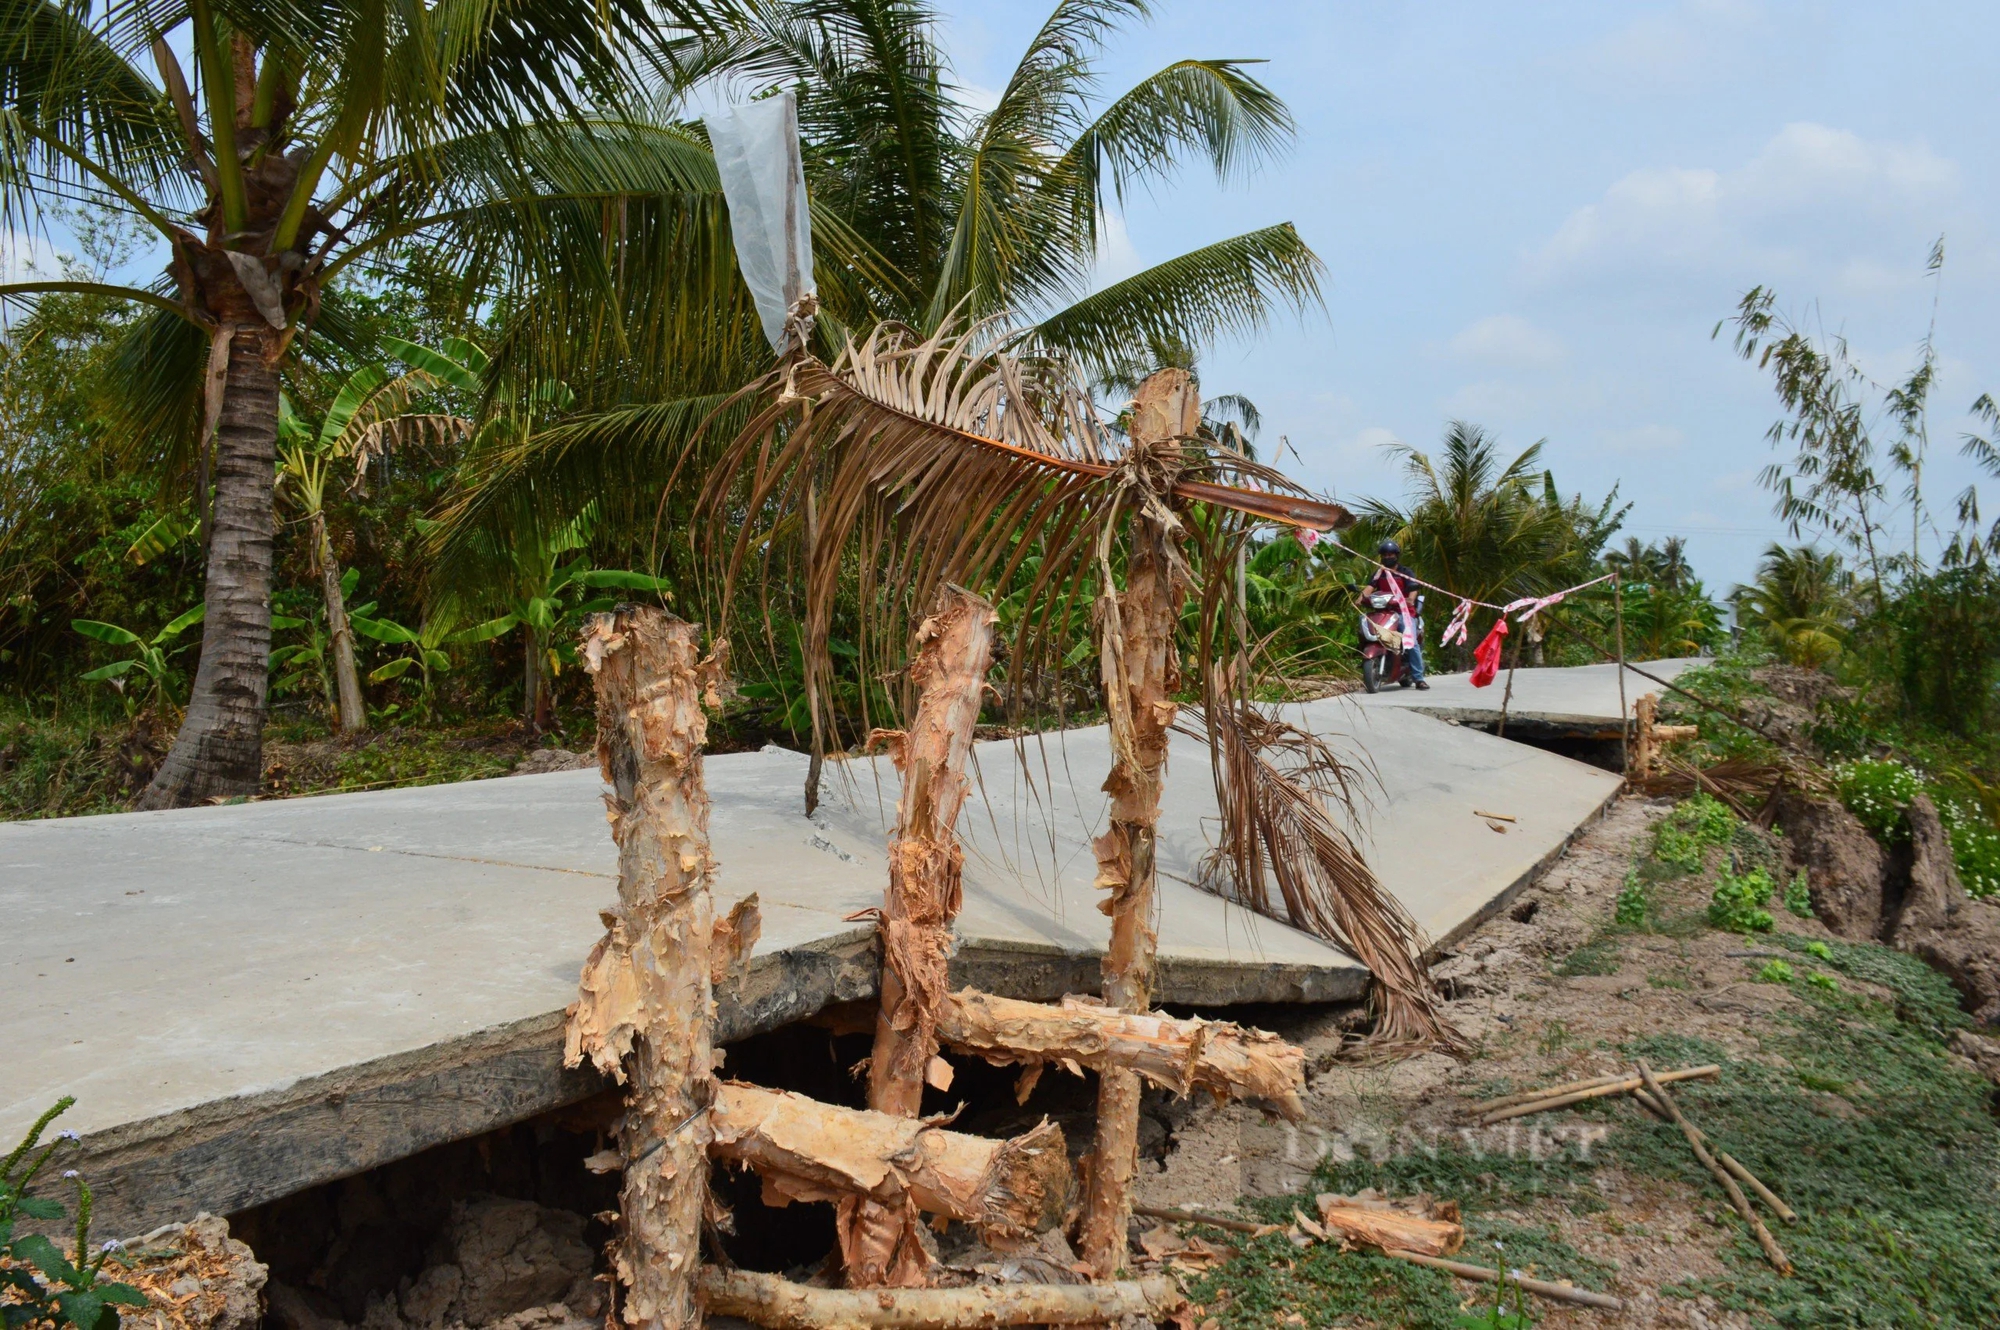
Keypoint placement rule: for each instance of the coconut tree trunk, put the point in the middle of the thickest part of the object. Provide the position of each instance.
(219, 751)
(1141, 674)
(347, 682)
(645, 1012)
(954, 651)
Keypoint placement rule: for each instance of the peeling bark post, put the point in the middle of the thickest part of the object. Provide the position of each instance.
(954, 650)
(1141, 675)
(808, 1151)
(645, 1011)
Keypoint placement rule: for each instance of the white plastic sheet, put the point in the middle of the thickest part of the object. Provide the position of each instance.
(757, 153)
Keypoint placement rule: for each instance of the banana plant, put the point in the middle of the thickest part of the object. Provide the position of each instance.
(368, 414)
(151, 657)
(546, 593)
(307, 660)
(426, 654)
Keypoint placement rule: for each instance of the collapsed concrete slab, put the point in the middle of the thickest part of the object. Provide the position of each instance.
(250, 1000)
(1574, 701)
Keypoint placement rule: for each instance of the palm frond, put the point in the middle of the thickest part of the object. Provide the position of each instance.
(1231, 286)
(1285, 854)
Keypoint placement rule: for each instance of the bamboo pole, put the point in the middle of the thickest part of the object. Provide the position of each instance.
(1625, 1085)
(779, 1304)
(1727, 1160)
(1541, 1288)
(1141, 675)
(1772, 1252)
(1507, 697)
(645, 1011)
(1618, 609)
(954, 651)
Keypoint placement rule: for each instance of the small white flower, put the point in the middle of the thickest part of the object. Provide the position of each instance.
(113, 1245)
(67, 1136)
(71, 1173)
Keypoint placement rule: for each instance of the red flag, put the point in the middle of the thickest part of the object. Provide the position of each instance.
(1486, 656)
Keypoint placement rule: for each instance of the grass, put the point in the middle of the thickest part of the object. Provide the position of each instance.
(1853, 1109)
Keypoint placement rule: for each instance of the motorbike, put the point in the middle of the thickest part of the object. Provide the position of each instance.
(1384, 659)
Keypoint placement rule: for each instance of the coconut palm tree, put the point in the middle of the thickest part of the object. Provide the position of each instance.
(1485, 529)
(924, 210)
(308, 136)
(1802, 600)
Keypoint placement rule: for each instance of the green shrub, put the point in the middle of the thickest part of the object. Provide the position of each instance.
(1878, 792)
(1738, 904)
(1823, 982)
(1633, 903)
(1775, 972)
(1684, 837)
(1819, 951)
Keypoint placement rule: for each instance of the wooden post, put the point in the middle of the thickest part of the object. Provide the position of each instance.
(954, 651)
(645, 1011)
(1618, 609)
(1141, 675)
(1507, 697)
(1641, 754)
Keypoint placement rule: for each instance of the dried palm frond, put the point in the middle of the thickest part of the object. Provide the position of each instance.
(912, 462)
(1285, 855)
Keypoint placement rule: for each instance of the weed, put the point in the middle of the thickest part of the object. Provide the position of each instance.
(1555, 1038)
(1820, 981)
(1819, 951)
(1798, 896)
(1599, 956)
(1658, 980)
(1775, 972)
(1684, 837)
(1738, 903)
(1878, 792)
(1634, 903)
(44, 1286)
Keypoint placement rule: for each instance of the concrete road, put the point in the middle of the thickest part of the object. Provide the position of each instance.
(248, 1000)
(1584, 697)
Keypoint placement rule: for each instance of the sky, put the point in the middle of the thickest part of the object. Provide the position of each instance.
(1533, 216)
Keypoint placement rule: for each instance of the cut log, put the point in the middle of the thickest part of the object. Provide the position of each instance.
(954, 651)
(779, 1304)
(1388, 1228)
(1226, 1060)
(645, 1011)
(1141, 674)
(1008, 1191)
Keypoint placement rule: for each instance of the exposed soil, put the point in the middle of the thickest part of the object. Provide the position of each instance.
(1522, 990)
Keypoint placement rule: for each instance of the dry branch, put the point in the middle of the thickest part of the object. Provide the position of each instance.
(771, 1301)
(645, 1011)
(1541, 1288)
(1227, 1060)
(1772, 1252)
(1563, 1096)
(808, 1151)
(1141, 673)
(954, 651)
(1727, 1160)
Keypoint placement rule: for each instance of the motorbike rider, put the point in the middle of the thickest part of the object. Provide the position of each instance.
(1391, 580)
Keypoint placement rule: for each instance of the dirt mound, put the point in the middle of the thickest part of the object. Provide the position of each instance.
(195, 1277)
(1909, 897)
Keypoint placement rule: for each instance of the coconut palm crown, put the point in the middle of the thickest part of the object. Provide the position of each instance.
(302, 137)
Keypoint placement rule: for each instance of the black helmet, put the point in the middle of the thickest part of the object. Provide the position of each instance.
(1388, 547)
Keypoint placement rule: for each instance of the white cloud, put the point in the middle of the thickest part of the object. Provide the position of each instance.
(1642, 439)
(1810, 187)
(1508, 341)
